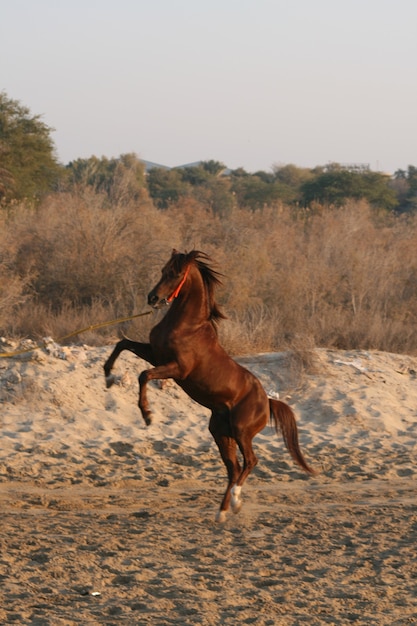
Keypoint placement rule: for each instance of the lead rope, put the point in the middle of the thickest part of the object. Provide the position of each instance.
(41, 344)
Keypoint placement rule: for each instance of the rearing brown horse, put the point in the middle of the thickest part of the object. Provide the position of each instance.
(184, 346)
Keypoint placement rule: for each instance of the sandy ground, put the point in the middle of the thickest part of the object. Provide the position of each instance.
(105, 521)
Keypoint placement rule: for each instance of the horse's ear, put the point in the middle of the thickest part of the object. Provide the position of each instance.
(174, 252)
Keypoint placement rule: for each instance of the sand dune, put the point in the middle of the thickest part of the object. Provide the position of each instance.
(107, 521)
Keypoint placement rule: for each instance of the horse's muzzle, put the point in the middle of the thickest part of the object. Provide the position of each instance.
(155, 302)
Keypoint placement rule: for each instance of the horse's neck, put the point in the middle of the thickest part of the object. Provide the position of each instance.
(192, 304)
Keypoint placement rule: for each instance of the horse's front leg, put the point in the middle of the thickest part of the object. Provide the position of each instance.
(142, 350)
(170, 370)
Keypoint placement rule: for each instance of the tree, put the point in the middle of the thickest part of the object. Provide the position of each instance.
(166, 186)
(215, 168)
(292, 175)
(28, 165)
(338, 184)
(195, 175)
(261, 189)
(203, 181)
(405, 187)
(215, 194)
(121, 179)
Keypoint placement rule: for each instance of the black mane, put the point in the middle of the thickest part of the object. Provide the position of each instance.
(211, 277)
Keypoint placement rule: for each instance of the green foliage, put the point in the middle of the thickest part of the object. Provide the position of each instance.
(210, 182)
(283, 184)
(405, 187)
(166, 186)
(202, 173)
(28, 166)
(203, 182)
(194, 175)
(261, 189)
(118, 178)
(216, 196)
(215, 168)
(292, 175)
(336, 185)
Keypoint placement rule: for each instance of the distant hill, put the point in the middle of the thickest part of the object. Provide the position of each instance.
(195, 164)
(149, 165)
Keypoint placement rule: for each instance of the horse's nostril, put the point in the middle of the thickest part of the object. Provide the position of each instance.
(152, 299)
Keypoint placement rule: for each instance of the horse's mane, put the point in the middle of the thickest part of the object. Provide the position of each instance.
(211, 277)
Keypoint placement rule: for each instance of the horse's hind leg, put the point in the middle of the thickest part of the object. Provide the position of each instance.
(246, 423)
(220, 429)
(249, 458)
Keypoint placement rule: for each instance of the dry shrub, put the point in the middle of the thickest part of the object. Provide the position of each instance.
(83, 256)
(197, 228)
(40, 320)
(343, 278)
(358, 267)
(248, 332)
(329, 277)
(12, 284)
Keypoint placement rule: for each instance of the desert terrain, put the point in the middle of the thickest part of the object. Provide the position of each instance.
(107, 521)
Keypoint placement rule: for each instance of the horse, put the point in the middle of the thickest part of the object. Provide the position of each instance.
(184, 346)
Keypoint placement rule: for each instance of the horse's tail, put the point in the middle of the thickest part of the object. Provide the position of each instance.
(284, 419)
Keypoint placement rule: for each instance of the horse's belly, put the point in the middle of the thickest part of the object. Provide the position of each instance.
(221, 390)
(210, 400)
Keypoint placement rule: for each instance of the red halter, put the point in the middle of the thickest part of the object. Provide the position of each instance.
(178, 289)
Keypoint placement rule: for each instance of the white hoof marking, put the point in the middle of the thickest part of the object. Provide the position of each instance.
(221, 517)
(236, 502)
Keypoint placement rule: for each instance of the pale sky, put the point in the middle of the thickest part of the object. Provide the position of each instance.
(251, 83)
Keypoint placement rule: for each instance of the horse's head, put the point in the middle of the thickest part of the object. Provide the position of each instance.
(174, 275)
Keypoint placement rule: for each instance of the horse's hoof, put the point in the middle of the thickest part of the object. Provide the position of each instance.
(147, 417)
(110, 380)
(221, 517)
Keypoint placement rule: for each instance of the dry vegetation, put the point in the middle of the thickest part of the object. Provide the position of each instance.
(329, 277)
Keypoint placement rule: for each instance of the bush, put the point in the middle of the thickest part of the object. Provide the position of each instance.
(337, 278)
